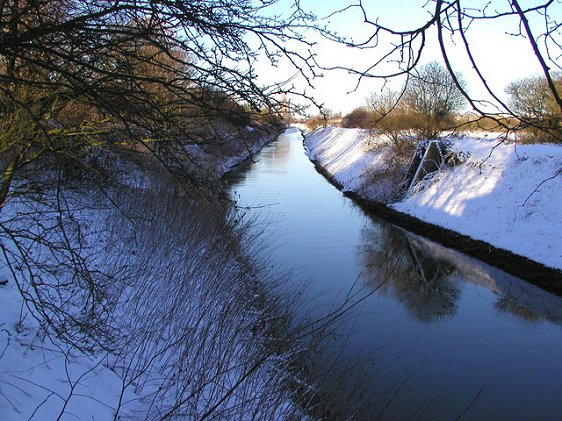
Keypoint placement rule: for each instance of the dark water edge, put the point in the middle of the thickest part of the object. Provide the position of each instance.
(547, 278)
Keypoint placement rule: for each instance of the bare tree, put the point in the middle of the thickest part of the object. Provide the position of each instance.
(391, 118)
(532, 99)
(79, 78)
(451, 21)
(80, 73)
(427, 104)
(432, 96)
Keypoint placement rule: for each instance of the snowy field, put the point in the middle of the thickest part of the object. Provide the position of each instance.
(505, 194)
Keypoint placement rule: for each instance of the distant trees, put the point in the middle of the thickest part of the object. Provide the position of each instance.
(358, 118)
(538, 111)
(433, 98)
(428, 103)
(325, 117)
(391, 116)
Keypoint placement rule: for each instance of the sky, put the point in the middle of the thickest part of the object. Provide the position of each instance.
(502, 57)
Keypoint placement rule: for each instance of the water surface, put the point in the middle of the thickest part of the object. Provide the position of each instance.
(434, 334)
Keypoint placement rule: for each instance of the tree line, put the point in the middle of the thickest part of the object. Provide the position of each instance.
(534, 105)
(430, 102)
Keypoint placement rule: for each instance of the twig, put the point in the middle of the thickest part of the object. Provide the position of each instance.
(463, 413)
(541, 183)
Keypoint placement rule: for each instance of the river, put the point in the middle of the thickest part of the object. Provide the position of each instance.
(431, 333)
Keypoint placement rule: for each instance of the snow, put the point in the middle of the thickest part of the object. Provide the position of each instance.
(186, 330)
(342, 153)
(217, 159)
(352, 157)
(42, 377)
(37, 376)
(505, 194)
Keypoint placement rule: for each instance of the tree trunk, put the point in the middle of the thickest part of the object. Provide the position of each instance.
(5, 184)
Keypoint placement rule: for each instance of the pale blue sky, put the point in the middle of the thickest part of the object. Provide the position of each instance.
(503, 58)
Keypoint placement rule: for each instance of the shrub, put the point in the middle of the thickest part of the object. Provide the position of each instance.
(533, 102)
(315, 122)
(358, 118)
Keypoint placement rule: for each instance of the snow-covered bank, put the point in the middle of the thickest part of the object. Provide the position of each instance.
(160, 300)
(219, 157)
(355, 160)
(508, 196)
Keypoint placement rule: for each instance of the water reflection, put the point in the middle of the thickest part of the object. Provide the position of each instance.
(274, 157)
(513, 295)
(509, 304)
(426, 277)
(422, 283)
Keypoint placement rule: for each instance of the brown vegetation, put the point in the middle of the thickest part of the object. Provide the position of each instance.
(81, 74)
(539, 114)
(324, 119)
(428, 104)
(359, 118)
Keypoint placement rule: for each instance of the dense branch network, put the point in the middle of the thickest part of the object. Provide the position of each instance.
(160, 77)
(127, 70)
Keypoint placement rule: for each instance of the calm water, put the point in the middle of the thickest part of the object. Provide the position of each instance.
(433, 334)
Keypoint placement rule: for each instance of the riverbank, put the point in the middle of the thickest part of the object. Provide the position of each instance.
(492, 206)
(165, 316)
(204, 162)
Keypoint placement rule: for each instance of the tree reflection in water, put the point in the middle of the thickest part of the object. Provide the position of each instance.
(420, 282)
(510, 304)
(425, 276)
